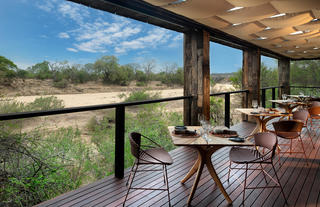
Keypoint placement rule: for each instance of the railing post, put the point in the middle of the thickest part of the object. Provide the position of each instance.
(119, 142)
(227, 110)
(263, 98)
(273, 97)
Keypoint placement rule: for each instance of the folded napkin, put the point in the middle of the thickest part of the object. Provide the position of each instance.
(185, 132)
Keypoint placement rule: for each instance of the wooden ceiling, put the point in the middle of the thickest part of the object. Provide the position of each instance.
(287, 27)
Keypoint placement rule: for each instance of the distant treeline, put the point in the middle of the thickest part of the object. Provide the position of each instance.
(302, 73)
(106, 69)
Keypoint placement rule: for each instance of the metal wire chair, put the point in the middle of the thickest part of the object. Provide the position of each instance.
(147, 155)
(262, 153)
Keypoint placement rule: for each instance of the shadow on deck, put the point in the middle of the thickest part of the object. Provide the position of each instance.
(301, 182)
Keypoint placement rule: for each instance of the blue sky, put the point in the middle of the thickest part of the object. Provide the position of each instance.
(58, 30)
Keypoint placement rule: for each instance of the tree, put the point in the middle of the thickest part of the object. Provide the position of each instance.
(105, 67)
(7, 68)
(41, 70)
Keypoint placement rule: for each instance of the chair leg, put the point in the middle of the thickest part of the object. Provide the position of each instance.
(245, 183)
(290, 151)
(264, 175)
(275, 172)
(304, 152)
(229, 170)
(167, 183)
(130, 184)
(130, 173)
(310, 137)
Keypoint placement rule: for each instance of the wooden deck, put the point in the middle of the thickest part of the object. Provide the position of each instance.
(301, 183)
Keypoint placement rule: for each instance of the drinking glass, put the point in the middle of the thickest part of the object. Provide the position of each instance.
(206, 127)
(284, 96)
(255, 104)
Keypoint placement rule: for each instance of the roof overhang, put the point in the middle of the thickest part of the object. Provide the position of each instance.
(295, 35)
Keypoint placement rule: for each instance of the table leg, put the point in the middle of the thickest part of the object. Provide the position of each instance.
(216, 178)
(197, 178)
(192, 171)
(204, 158)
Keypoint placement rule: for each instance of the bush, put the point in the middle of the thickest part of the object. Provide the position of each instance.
(45, 103)
(139, 95)
(61, 84)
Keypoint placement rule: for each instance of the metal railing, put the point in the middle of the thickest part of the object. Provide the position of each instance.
(120, 116)
(227, 103)
(119, 123)
(273, 96)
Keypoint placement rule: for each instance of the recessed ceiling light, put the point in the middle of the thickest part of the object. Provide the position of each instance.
(296, 33)
(297, 47)
(235, 8)
(177, 2)
(278, 46)
(316, 48)
(305, 51)
(306, 31)
(236, 24)
(267, 28)
(262, 38)
(314, 20)
(290, 51)
(278, 15)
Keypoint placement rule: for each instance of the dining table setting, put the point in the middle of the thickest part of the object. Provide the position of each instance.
(206, 140)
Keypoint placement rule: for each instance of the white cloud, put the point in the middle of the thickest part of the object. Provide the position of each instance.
(99, 32)
(72, 49)
(153, 38)
(74, 11)
(47, 6)
(63, 35)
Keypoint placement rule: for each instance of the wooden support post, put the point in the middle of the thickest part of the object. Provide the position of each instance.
(251, 76)
(273, 97)
(263, 98)
(119, 142)
(196, 76)
(227, 110)
(284, 76)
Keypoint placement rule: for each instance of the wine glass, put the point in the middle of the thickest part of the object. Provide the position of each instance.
(255, 104)
(206, 127)
(284, 96)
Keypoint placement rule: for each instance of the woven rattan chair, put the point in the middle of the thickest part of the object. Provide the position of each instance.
(290, 129)
(303, 115)
(147, 155)
(262, 153)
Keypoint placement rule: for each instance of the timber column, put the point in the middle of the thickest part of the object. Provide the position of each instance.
(251, 76)
(284, 76)
(196, 76)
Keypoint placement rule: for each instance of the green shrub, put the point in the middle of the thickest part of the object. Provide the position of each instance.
(45, 103)
(140, 95)
(61, 84)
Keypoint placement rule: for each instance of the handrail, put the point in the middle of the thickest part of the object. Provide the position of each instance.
(227, 103)
(229, 92)
(30, 114)
(305, 87)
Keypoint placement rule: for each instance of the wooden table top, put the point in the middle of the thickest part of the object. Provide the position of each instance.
(259, 112)
(181, 140)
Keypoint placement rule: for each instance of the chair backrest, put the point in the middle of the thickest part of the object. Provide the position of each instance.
(301, 115)
(267, 140)
(315, 110)
(315, 103)
(288, 126)
(135, 142)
